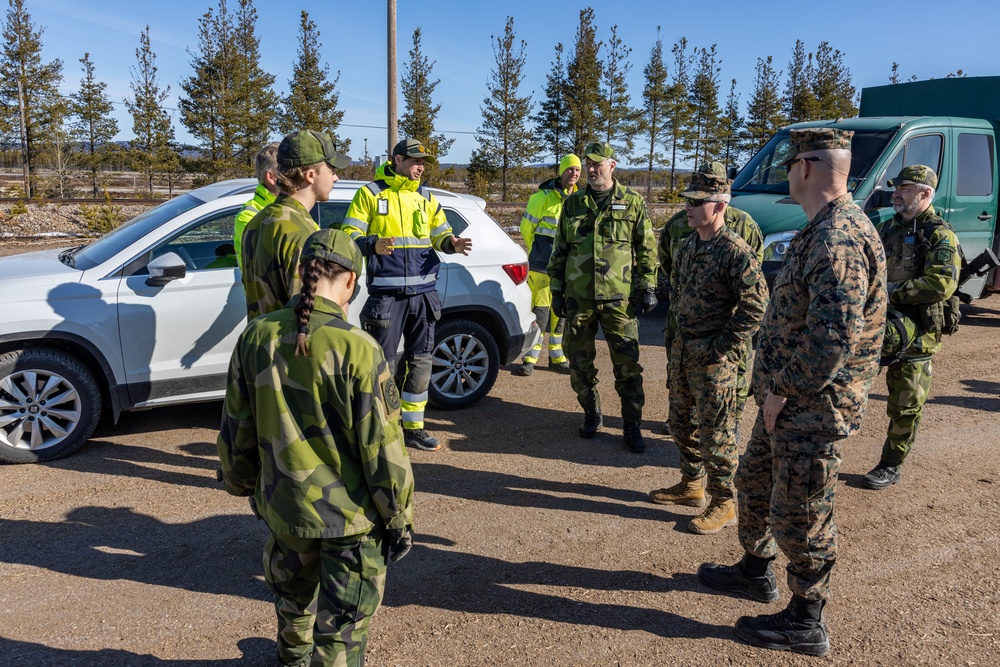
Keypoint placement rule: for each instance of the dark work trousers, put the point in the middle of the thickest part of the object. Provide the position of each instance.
(390, 318)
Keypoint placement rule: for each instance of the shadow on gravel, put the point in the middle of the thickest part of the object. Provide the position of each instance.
(515, 491)
(256, 651)
(482, 585)
(217, 555)
(110, 458)
(987, 400)
(977, 316)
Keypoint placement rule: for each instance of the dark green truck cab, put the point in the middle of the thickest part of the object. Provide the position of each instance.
(950, 125)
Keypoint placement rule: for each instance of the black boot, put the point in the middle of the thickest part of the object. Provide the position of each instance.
(632, 432)
(798, 628)
(592, 423)
(751, 577)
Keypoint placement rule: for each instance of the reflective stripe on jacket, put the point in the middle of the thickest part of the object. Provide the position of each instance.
(540, 221)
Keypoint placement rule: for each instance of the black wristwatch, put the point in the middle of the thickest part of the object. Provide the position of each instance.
(773, 386)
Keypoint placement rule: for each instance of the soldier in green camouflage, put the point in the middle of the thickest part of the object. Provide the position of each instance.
(717, 299)
(674, 232)
(272, 240)
(817, 354)
(923, 262)
(604, 235)
(311, 432)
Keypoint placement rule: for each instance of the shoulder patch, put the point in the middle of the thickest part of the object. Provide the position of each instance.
(391, 395)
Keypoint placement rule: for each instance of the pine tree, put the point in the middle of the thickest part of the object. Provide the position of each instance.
(764, 115)
(552, 119)
(704, 98)
(800, 103)
(36, 82)
(151, 150)
(230, 104)
(832, 84)
(731, 129)
(94, 127)
(655, 98)
(619, 121)
(312, 100)
(583, 82)
(418, 120)
(504, 135)
(678, 108)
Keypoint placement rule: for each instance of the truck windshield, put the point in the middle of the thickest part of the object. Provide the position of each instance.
(764, 173)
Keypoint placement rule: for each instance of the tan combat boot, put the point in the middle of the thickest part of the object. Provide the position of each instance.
(688, 491)
(720, 513)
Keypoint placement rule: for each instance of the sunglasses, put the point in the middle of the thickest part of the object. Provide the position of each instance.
(788, 163)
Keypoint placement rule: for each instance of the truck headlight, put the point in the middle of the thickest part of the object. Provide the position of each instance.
(776, 245)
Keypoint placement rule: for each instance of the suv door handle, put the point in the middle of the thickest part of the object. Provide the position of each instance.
(985, 216)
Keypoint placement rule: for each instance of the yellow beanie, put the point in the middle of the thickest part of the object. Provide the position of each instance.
(568, 161)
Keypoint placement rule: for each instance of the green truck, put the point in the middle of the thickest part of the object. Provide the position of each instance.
(950, 124)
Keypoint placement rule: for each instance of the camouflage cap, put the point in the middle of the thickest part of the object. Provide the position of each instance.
(598, 151)
(308, 147)
(915, 173)
(812, 139)
(713, 168)
(333, 245)
(704, 186)
(413, 148)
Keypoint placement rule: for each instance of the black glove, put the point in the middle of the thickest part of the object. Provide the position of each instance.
(400, 543)
(646, 302)
(559, 305)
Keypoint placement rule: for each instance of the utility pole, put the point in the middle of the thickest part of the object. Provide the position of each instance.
(24, 140)
(391, 60)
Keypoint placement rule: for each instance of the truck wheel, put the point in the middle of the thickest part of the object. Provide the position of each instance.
(465, 363)
(49, 405)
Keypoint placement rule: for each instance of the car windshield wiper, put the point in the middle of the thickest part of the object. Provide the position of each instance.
(68, 256)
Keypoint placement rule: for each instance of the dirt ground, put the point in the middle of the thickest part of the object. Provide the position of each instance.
(533, 547)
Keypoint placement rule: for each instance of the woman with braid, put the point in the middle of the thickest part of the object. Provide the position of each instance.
(311, 432)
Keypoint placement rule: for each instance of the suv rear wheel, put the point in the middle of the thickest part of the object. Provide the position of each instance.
(49, 405)
(466, 360)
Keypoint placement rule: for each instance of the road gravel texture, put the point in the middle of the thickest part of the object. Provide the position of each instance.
(533, 546)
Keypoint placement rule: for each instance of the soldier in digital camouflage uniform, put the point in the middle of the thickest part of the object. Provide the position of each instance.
(674, 232)
(923, 262)
(717, 299)
(538, 228)
(603, 231)
(817, 353)
(272, 240)
(311, 432)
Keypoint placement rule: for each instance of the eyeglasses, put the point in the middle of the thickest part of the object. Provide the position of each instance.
(697, 202)
(789, 163)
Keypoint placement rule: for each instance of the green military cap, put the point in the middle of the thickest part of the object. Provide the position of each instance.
(708, 186)
(713, 168)
(333, 245)
(915, 173)
(812, 139)
(598, 151)
(413, 148)
(307, 147)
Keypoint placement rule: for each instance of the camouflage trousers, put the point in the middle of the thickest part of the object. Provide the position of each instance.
(702, 414)
(786, 482)
(327, 591)
(541, 302)
(745, 369)
(621, 330)
(909, 383)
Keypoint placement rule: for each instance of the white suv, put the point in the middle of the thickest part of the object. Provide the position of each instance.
(148, 315)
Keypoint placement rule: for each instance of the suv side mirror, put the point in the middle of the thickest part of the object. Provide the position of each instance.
(165, 268)
(879, 199)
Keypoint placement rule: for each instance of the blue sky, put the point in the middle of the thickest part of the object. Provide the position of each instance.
(927, 39)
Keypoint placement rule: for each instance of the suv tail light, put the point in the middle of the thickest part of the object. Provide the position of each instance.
(517, 272)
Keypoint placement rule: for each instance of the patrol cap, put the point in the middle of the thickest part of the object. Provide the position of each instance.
(707, 182)
(812, 139)
(333, 245)
(915, 173)
(413, 148)
(569, 160)
(307, 147)
(598, 151)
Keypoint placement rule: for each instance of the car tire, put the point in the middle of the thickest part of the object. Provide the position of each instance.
(30, 380)
(465, 363)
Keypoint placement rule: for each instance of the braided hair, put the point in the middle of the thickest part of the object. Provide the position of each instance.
(313, 269)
